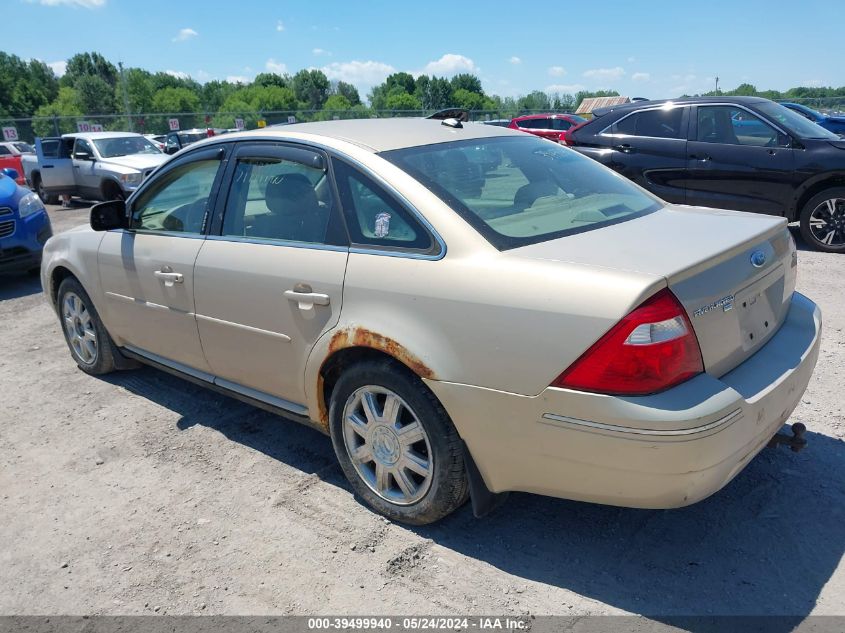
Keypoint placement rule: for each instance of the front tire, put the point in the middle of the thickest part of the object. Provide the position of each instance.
(823, 221)
(396, 444)
(90, 345)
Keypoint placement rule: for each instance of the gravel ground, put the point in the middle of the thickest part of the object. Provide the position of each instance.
(141, 493)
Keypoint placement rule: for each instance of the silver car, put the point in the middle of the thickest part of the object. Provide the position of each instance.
(466, 310)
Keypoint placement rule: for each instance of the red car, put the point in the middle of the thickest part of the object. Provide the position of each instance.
(550, 126)
(10, 156)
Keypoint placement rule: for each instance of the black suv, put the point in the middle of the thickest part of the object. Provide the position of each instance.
(743, 153)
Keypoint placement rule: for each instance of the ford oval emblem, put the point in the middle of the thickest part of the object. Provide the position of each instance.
(758, 259)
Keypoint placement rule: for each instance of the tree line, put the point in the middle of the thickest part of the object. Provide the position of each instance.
(93, 85)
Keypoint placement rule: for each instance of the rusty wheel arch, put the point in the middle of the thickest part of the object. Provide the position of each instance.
(352, 345)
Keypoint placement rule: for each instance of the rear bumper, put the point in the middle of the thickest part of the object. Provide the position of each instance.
(666, 450)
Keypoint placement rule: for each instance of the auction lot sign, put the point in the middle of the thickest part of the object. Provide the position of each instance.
(85, 126)
(10, 133)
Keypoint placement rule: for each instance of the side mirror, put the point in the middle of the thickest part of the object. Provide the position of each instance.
(82, 156)
(106, 216)
(784, 140)
(11, 173)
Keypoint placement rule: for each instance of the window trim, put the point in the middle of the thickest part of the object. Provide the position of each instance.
(220, 151)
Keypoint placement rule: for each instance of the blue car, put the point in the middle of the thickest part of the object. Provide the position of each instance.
(835, 124)
(24, 226)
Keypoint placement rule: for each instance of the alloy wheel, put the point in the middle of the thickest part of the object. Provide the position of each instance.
(388, 445)
(79, 328)
(827, 222)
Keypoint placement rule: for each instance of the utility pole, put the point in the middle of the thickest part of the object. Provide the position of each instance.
(717, 85)
(125, 97)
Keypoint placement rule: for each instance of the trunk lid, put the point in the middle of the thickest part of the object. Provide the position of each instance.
(733, 272)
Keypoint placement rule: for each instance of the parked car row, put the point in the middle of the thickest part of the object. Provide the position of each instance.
(743, 153)
(92, 165)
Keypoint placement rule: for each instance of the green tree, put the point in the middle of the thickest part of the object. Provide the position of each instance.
(536, 100)
(271, 79)
(172, 100)
(347, 91)
(402, 101)
(434, 93)
(214, 93)
(311, 88)
(466, 81)
(95, 95)
(463, 98)
(85, 64)
(66, 104)
(139, 88)
(25, 86)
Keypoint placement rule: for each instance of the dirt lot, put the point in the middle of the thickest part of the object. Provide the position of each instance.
(141, 493)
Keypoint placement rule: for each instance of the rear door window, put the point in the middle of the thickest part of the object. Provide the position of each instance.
(658, 123)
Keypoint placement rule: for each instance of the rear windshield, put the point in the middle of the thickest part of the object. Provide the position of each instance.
(519, 191)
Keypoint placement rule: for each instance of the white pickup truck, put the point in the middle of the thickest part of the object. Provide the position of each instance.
(91, 165)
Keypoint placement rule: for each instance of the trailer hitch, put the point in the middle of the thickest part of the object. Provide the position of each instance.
(796, 441)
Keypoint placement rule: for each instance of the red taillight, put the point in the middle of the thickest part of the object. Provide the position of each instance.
(566, 138)
(651, 349)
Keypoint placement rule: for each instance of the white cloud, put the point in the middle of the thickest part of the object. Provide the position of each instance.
(280, 26)
(321, 51)
(564, 88)
(185, 34)
(176, 73)
(60, 68)
(557, 71)
(640, 76)
(203, 75)
(605, 73)
(813, 83)
(631, 60)
(448, 65)
(85, 4)
(364, 75)
(515, 60)
(237, 79)
(275, 67)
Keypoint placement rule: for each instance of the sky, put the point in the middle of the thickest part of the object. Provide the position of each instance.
(654, 49)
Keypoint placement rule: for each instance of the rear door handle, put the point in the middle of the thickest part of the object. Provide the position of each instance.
(169, 278)
(307, 300)
(703, 158)
(624, 147)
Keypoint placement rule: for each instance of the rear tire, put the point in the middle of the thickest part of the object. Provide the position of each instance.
(409, 463)
(823, 221)
(90, 345)
(46, 198)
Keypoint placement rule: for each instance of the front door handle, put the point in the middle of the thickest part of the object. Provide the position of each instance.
(704, 158)
(307, 300)
(624, 147)
(169, 278)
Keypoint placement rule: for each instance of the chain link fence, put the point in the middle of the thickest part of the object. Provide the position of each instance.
(26, 129)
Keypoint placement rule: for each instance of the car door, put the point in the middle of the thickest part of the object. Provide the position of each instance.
(738, 161)
(147, 271)
(55, 164)
(84, 161)
(650, 147)
(270, 281)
